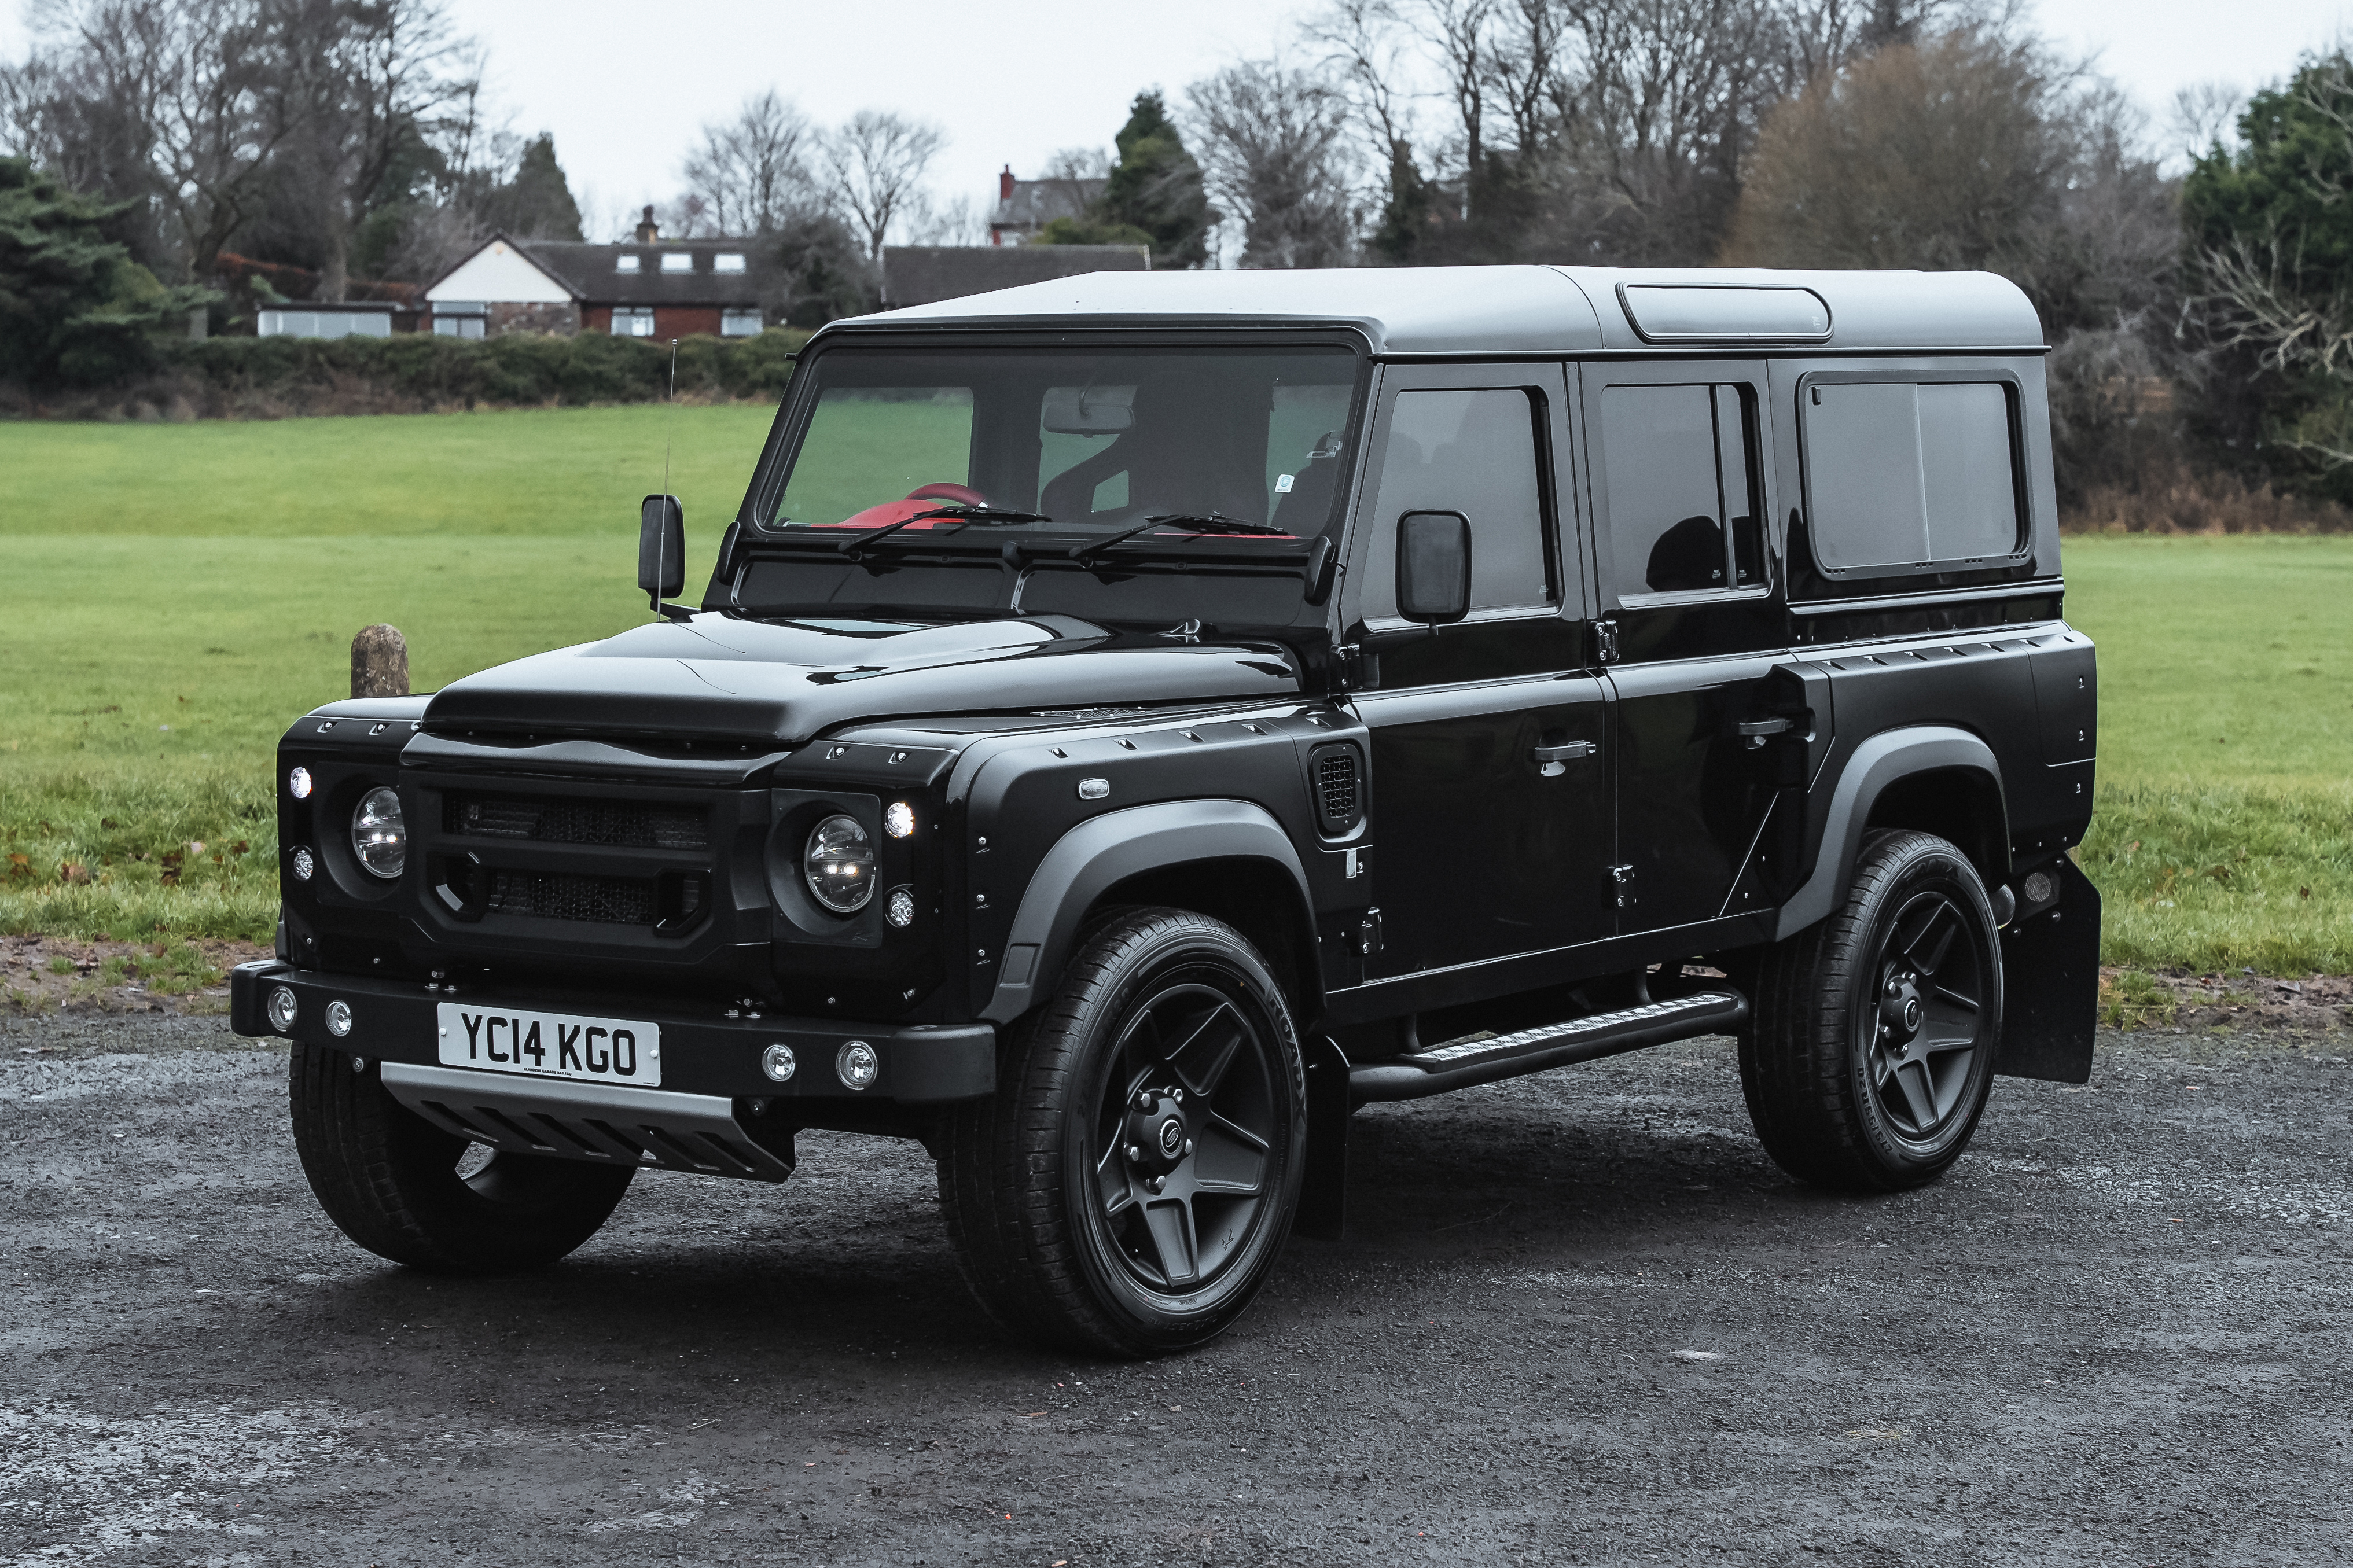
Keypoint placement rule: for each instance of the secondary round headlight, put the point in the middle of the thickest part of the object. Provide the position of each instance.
(840, 864)
(379, 835)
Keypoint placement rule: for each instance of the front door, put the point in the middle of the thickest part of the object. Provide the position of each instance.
(1682, 562)
(1491, 743)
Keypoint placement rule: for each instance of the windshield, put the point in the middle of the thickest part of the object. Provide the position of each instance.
(1089, 442)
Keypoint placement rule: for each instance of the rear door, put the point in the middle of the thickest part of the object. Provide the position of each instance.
(1682, 492)
(1490, 738)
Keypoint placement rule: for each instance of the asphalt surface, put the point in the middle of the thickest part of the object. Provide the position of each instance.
(1579, 1318)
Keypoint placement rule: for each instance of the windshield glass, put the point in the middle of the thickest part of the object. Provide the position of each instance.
(1093, 440)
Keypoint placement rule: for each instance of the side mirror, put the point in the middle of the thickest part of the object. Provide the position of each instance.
(1433, 567)
(661, 547)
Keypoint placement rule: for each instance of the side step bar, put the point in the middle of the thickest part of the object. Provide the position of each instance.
(1466, 1063)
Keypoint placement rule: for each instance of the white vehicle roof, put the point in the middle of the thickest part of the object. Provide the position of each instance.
(1520, 310)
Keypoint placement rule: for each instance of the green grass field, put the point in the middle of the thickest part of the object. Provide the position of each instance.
(178, 593)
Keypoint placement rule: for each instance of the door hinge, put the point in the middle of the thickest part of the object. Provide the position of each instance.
(1604, 641)
(1621, 878)
(1351, 667)
(1369, 934)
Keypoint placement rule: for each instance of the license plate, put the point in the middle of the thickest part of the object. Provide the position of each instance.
(550, 1045)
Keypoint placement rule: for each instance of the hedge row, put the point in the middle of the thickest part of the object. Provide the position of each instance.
(526, 370)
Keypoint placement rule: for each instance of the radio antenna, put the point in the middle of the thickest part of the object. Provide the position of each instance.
(669, 430)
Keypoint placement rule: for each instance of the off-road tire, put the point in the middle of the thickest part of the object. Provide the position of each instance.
(389, 1179)
(1016, 1170)
(1807, 1060)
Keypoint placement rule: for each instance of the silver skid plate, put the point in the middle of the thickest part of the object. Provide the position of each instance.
(605, 1123)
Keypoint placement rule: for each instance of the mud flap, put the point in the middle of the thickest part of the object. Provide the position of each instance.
(2051, 985)
(1324, 1195)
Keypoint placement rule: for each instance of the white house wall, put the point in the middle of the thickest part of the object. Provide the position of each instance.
(498, 274)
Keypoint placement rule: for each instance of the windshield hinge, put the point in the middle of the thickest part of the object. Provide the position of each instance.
(1351, 667)
(1604, 641)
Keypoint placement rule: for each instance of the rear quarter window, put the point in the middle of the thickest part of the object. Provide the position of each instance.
(1908, 476)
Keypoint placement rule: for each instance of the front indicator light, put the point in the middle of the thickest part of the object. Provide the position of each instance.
(838, 865)
(339, 1018)
(901, 911)
(380, 835)
(282, 1008)
(856, 1065)
(298, 784)
(779, 1063)
(899, 820)
(303, 863)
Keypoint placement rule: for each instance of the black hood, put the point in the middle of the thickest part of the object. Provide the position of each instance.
(720, 675)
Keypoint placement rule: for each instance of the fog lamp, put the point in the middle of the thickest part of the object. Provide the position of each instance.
(282, 1008)
(856, 1065)
(298, 784)
(303, 864)
(779, 1063)
(339, 1018)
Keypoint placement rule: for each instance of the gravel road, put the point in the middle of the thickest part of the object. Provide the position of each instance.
(1579, 1318)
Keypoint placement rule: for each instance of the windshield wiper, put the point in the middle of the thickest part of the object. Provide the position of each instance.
(987, 516)
(1184, 522)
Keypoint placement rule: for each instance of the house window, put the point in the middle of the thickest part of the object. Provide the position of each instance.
(740, 323)
(633, 322)
(678, 261)
(727, 261)
(460, 317)
(625, 264)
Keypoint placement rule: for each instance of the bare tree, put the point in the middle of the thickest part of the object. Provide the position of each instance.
(1272, 142)
(876, 165)
(752, 172)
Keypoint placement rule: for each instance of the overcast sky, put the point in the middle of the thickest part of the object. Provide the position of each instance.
(622, 86)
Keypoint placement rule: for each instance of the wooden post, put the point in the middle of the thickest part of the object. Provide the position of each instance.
(379, 662)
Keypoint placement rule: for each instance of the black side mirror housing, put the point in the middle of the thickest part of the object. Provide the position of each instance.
(661, 547)
(1433, 567)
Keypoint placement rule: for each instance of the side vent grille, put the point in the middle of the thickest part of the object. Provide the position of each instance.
(1339, 797)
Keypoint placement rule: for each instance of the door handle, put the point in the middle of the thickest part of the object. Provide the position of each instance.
(1754, 731)
(1553, 760)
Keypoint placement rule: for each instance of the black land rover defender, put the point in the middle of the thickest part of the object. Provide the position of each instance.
(1135, 720)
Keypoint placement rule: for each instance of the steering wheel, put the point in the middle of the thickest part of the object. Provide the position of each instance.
(962, 495)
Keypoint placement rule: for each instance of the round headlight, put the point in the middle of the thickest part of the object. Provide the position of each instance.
(379, 836)
(840, 864)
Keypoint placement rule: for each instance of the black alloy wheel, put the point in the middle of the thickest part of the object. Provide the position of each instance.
(1129, 1186)
(1871, 1052)
(408, 1191)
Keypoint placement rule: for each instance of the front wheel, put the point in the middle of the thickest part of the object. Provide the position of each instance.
(1872, 1050)
(1129, 1185)
(408, 1191)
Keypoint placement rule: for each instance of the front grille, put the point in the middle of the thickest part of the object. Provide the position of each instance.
(1338, 804)
(619, 824)
(566, 896)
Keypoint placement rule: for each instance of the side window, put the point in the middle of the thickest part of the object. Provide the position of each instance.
(1899, 474)
(1680, 465)
(1474, 452)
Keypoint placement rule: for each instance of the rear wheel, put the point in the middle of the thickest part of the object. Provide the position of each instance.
(408, 1191)
(1129, 1185)
(1871, 1054)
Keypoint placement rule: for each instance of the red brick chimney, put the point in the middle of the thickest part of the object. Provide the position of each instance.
(648, 231)
(1005, 185)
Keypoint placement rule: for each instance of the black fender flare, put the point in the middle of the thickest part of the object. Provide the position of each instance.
(1106, 851)
(1879, 761)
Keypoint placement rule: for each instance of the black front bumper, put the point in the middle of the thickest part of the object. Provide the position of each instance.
(705, 1052)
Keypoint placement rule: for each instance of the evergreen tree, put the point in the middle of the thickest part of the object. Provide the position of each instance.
(1405, 216)
(1157, 187)
(74, 306)
(537, 203)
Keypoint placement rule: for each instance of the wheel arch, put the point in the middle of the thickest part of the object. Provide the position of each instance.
(1932, 777)
(1229, 859)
